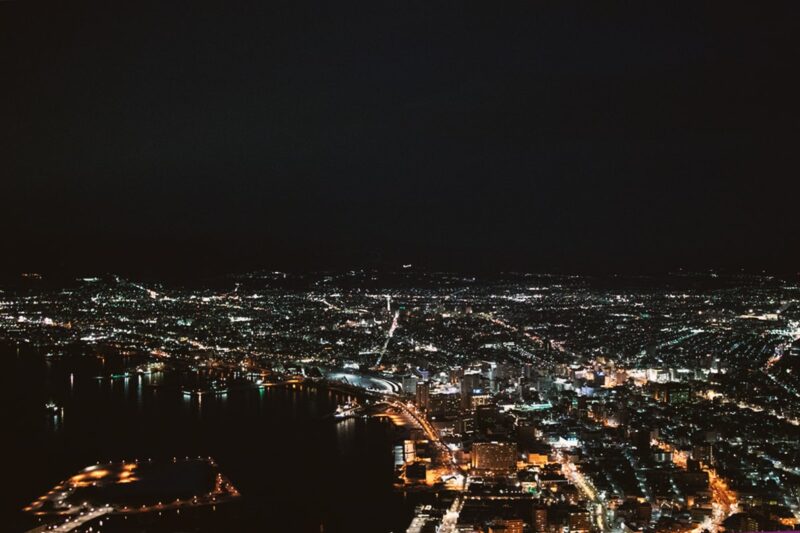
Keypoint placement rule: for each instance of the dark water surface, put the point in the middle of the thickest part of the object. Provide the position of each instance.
(297, 469)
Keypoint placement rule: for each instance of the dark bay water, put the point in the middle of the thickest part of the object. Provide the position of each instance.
(297, 469)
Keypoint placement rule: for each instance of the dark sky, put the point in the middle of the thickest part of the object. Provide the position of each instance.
(143, 137)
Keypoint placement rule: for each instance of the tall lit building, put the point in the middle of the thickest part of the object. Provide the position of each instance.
(444, 405)
(494, 456)
(579, 521)
(539, 518)
(410, 384)
(423, 395)
(469, 383)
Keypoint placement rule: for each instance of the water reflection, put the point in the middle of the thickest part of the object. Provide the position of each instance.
(278, 445)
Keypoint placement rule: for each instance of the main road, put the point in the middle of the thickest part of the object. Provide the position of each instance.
(576, 477)
(74, 521)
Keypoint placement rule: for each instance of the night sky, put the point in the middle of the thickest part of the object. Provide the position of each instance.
(145, 138)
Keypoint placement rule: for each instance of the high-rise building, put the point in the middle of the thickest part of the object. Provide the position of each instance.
(494, 456)
(410, 384)
(579, 521)
(444, 405)
(539, 518)
(405, 452)
(671, 393)
(423, 395)
(514, 525)
(469, 384)
(480, 399)
(490, 422)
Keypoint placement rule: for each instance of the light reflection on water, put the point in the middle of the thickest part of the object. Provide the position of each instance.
(277, 444)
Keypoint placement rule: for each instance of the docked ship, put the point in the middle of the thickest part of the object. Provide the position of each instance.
(348, 410)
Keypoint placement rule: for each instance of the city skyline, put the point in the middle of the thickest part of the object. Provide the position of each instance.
(405, 401)
(400, 267)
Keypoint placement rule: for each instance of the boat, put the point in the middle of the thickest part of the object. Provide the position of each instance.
(347, 410)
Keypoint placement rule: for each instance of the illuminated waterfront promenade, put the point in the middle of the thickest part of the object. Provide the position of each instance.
(133, 488)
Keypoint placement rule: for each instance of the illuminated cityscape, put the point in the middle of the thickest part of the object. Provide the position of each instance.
(518, 402)
(400, 267)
